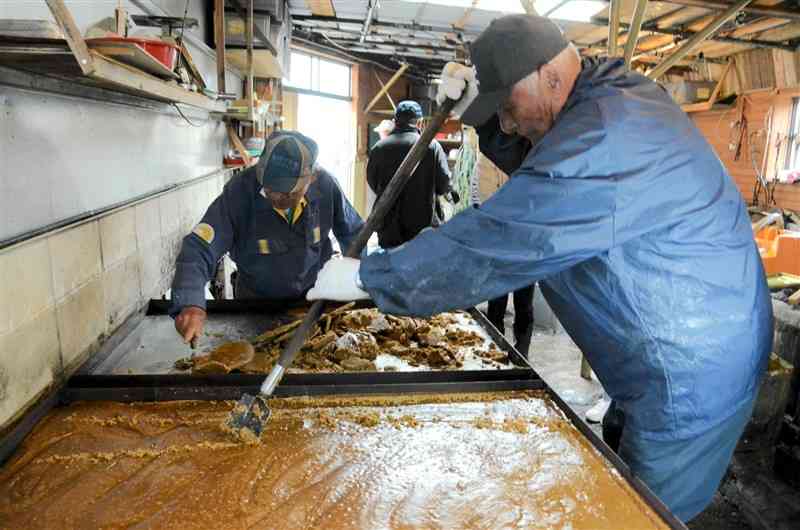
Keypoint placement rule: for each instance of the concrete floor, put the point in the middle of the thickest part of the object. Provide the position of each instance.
(557, 360)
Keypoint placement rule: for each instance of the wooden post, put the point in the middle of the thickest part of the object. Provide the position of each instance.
(373, 5)
(715, 93)
(389, 97)
(121, 17)
(633, 31)
(250, 85)
(696, 39)
(613, 27)
(262, 37)
(706, 105)
(397, 75)
(72, 35)
(219, 40)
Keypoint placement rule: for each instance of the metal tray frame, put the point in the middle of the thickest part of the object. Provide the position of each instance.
(169, 387)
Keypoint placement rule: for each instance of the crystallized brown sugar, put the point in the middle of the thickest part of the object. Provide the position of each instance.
(390, 462)
(345, 339)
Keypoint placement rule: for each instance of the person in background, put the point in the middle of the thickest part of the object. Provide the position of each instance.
(414, 209)
(384, 129)
(507, 151)
(274, 218)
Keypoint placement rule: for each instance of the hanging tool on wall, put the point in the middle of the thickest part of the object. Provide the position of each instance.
(252, 412)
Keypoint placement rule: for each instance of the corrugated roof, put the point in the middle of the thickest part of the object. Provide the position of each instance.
(423, 33)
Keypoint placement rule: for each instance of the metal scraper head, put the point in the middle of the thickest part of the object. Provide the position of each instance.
(248, 417)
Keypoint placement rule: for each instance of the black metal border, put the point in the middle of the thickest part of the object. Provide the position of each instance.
(16, 433)
(169, 387)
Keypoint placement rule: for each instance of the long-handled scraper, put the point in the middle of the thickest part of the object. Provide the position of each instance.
(252, 412)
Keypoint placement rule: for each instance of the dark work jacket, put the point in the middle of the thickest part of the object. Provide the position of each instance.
(507, 151)
(641, 244)
(275, 260)
(414, 209)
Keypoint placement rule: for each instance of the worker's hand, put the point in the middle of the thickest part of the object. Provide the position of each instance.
(190, 322)
(338, 281)
(457, 79)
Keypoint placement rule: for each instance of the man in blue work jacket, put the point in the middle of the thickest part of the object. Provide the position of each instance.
(274, 219)
(638, 237)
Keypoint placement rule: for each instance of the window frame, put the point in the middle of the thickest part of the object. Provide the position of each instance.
(792, 160)
(314, 77)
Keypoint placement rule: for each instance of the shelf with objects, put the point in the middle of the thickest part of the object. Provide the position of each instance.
(245, 40)
(247, 134)
(159, 69)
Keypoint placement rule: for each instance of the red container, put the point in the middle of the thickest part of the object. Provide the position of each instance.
(163, 52)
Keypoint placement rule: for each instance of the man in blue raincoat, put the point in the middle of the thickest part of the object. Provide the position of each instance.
(636, 233)
(274, 219)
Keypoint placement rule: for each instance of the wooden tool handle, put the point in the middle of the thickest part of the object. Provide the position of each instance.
(379, 211)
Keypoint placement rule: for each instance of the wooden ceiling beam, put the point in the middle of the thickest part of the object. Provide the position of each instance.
(633, 32)
(613, 27)
(373, 6)
(768, 11)
(697, 38)
(321, 8)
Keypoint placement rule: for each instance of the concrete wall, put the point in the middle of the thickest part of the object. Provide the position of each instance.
(64, 157)
(64, 292)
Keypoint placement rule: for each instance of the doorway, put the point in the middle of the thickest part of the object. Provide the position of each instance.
(329, 121)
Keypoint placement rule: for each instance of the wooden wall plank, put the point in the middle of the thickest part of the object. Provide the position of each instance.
(716, 127)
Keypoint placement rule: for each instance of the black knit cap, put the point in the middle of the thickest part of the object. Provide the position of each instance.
(511, 48)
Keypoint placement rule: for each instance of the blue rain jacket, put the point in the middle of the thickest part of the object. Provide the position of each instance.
(275, 260)
(642, 245)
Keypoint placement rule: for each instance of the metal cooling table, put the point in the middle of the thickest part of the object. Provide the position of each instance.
(231, 320)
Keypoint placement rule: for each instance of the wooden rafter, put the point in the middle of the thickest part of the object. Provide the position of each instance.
(462, 20)
(72, 35)
(397, 75)
(613, 27)
(323, 8)
(697, 38)
(707, 105)
(388, 96)
(633, 32)
(251, 88)
(768, 11)
(373, 7)
(219, 41)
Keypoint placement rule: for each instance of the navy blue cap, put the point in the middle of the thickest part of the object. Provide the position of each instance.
(288, 155)
(407, 110)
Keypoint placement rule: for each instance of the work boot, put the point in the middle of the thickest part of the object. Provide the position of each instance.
(523, 340)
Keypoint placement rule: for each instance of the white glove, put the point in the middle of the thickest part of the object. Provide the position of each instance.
(338, 281)
(455, 78)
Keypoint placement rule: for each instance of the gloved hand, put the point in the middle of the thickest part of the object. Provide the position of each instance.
(456, 78)
(338, 281)
(455, 197)
(189, 323)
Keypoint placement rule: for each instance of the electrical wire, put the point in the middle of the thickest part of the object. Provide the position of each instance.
(185, 118)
